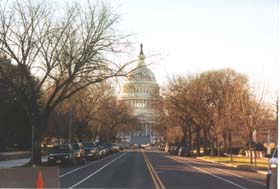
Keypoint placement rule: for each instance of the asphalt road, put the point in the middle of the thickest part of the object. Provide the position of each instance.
(153, 169)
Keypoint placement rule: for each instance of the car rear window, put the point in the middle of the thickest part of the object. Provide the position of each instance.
(60, 149)
(76, 146)
(88, 145)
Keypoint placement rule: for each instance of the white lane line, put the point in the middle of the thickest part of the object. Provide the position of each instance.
(211, 166)
(97, 171)
(206, 172)
(252, 180)
(74, 170)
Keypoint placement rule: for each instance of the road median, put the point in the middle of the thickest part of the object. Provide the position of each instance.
(4, 156)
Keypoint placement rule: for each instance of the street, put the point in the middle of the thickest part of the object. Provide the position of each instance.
(153, 169)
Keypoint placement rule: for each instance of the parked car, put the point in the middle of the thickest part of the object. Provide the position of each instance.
(162, 147)
(169, 148)
(109, 148)
(79, 152)
(116, 148)
(174, 150)
(102, 150)
(61, 154)
(271, 178)
(91, 151)
(184, 151)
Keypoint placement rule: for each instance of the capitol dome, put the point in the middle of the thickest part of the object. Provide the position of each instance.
(140, 83)
(139, 92)
(142, 74)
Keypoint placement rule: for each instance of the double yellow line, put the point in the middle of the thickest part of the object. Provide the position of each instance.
(158, 183)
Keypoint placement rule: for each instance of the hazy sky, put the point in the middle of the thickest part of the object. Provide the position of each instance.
(197, 35)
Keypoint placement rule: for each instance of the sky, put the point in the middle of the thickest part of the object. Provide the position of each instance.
(191, 36)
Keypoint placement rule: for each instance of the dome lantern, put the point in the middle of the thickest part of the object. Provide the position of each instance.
(141, 57)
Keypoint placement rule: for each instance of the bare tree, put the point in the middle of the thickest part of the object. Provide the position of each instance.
(67, 49)
(206, 103)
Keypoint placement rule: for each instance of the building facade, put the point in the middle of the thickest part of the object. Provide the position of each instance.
(139, 91)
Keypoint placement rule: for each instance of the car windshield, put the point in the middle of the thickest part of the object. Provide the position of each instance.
(88, 145)
(60, 149)
(76, 146)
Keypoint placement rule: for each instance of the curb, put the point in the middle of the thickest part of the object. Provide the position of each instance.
(262, 172)
(208, 160)
(235, 166)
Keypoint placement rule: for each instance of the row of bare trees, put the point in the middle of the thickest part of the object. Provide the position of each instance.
(64, 47)
(213, 109)
(94, 111)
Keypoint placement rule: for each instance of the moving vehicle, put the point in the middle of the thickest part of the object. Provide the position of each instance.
(91, 151)
(79, 152)
(271, 178)
(61, 154)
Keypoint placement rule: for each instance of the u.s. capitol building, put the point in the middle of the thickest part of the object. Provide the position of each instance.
(139, 91)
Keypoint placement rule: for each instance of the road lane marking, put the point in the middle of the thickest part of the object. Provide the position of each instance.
(252, 180)
(97, 171)
(153, 172)
(211, 174)
(211, 166)
(77, 169)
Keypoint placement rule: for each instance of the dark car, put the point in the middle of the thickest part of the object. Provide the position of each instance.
(61, 154)
(91, 150)
(169, 148)
(79, 152)
(109, 147)
(184, 151)
(174, 150)
(162, 147)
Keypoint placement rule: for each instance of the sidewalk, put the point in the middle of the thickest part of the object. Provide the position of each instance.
(18, 162)
(254, 169)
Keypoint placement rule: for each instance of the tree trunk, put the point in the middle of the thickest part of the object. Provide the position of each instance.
(198, 142)
(190, 139)
(250, 152)
(225, 137)
(37, 149)
(40, 125)
(230, 143)
(218, 146)
(204, 142)
(212, 150)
